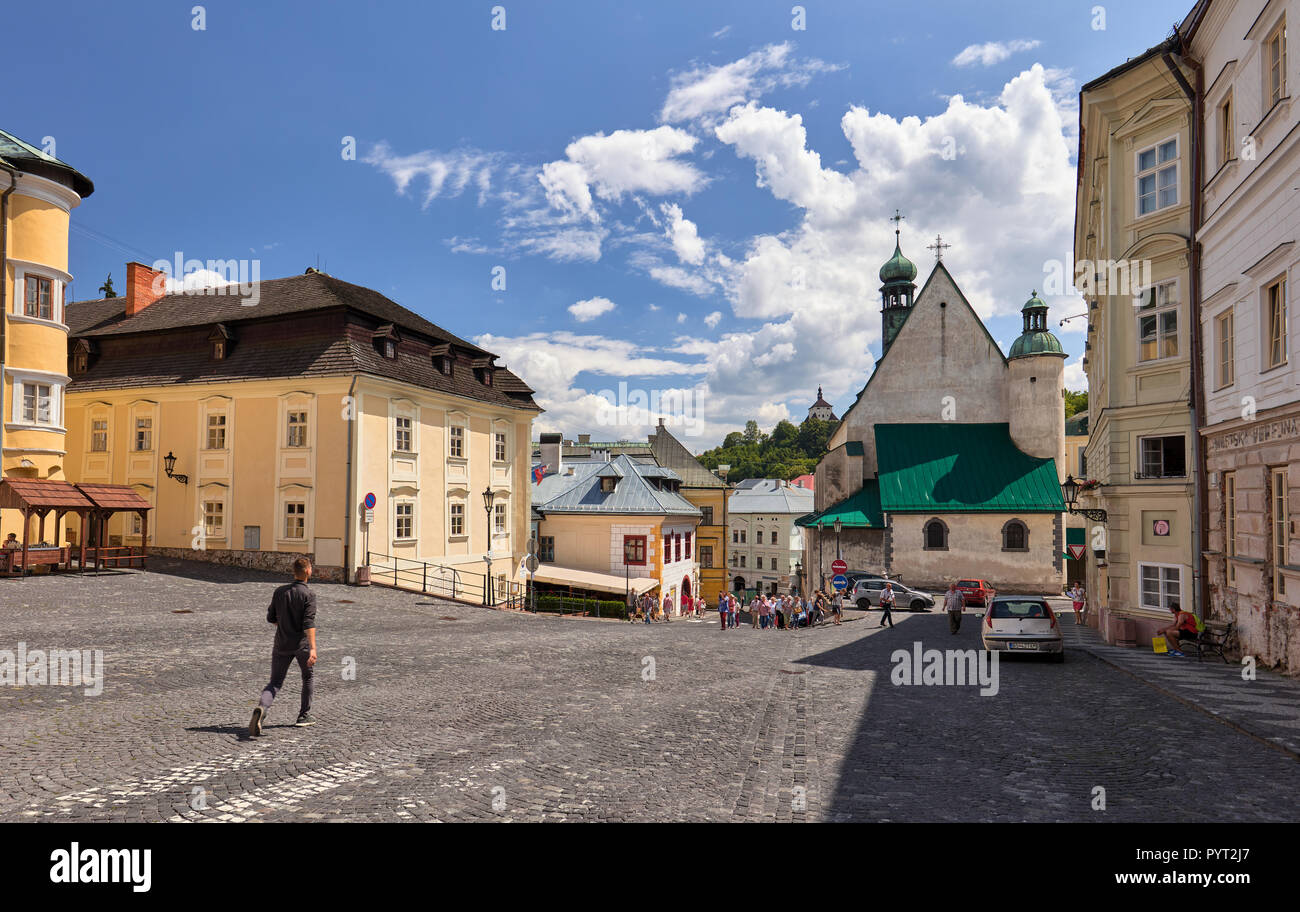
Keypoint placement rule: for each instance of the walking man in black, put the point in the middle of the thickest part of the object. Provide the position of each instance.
(293, 612)
(887, 605)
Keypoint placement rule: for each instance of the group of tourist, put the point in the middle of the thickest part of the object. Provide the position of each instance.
(780, 612)
(647, 607)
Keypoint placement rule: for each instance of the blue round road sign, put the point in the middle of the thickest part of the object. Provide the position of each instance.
(370, 501)
(840, 581)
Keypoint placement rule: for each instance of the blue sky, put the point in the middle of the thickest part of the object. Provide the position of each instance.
(688, 198)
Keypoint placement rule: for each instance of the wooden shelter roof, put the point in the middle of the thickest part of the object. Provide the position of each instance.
(42, 494)
(113, 497)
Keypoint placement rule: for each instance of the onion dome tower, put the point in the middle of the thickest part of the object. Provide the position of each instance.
(897, 289)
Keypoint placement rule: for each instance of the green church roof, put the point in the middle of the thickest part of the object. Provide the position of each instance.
(860, 511)
(962, 468)
(1035, 343)
(898, 268)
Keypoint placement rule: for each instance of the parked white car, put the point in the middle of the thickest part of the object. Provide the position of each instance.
(1022, 623)
(866, 594)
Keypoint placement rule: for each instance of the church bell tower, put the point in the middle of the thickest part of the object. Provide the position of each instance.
(897, 289)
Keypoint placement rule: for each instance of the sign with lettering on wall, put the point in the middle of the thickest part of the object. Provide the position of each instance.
(1160, 527)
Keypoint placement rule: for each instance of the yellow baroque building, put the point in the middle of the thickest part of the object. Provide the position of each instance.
(256, 422)
(37, 195)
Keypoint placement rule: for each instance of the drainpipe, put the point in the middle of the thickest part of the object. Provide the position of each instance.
(347, 500)
(1200, 516)
(4, 284)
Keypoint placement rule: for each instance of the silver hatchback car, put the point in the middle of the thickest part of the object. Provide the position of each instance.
(866, 594)
(1022, 623)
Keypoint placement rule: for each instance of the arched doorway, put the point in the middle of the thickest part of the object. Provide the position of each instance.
(738, 584)
(687, 594)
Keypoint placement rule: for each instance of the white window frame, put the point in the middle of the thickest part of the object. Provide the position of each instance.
(399, 430)
(1157, 311)
(1154, 172)
(407, 505)
(1272, 94)
(452, 504)
(58, 288)
(1267, 325)
(1225, 111)
(500, 446)
(300, 515)
(1225, 345)
(500, 519)
(135, 433)
(452, 438)
(1141, 462)
(208, 516)
(302, 427)
(209, 427)
(1162, 583)
(97, 436)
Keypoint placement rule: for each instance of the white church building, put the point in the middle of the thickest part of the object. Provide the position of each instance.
(948, 465)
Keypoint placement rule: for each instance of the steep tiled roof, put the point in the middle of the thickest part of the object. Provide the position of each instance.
(769, 495)
(580, 492)
(669, 451)
(300, 327)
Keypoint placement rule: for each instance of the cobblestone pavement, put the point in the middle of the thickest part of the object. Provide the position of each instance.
(459, 713)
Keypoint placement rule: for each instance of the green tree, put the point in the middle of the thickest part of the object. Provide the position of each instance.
(1075, 402)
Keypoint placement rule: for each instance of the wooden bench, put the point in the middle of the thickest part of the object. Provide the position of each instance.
(11, 559)
(1212, 640)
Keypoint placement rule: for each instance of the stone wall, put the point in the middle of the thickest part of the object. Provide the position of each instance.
(975, 552)
(267, 561)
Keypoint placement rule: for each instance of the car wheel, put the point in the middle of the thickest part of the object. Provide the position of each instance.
(917, 605)
(864, 604)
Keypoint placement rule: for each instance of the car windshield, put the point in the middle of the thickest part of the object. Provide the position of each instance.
(968, 584)
(1027, 608)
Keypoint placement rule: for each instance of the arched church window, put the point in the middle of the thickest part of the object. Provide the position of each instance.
(1015, 536)
(936, 535)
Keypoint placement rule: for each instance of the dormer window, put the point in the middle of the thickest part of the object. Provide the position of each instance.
(81, 356)
(483, 370)
(386, 340)
(442, 359)
(607, 485)
(219, 339)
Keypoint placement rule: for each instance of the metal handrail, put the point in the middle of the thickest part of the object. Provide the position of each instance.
(462, 583)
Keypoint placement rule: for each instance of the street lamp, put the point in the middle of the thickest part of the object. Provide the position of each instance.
(838, 525)
(487, 583)
(798, 577)
(169, 463)
(1070, 492)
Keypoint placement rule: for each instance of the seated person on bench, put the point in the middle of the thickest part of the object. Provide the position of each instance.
(1182, 630)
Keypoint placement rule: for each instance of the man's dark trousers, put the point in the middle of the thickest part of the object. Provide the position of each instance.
(954, 621)
(888, 615)
(280, 662)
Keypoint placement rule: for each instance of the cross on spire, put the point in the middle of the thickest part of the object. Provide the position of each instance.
(938, 247)
(896, 218)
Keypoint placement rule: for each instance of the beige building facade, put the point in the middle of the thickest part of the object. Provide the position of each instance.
(1133, 249)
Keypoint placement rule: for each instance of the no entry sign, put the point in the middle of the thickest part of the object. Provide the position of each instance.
(839, 566)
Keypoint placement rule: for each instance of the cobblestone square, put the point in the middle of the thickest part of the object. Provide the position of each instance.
(461, 713)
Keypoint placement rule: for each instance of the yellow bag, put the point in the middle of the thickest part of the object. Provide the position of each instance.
(1159, 644)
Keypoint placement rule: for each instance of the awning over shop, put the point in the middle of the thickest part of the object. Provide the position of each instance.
(860, 511)
(587, 579)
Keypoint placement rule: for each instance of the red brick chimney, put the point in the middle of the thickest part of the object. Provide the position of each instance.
(143, 287)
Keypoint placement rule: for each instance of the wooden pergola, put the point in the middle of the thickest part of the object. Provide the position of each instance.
(105, 500)
(41, 497)
(94, 503)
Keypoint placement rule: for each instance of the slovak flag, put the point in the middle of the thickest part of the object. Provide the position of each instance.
(539, 472)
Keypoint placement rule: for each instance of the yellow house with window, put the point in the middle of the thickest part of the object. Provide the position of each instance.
(256, 426)
(37, 195)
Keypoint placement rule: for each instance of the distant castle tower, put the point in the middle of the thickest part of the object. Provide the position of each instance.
(821, 409)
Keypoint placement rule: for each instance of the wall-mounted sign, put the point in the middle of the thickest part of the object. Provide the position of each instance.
(1160, 527)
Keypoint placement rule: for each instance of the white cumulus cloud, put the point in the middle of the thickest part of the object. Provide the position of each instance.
(590, 309)
(992, 52)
